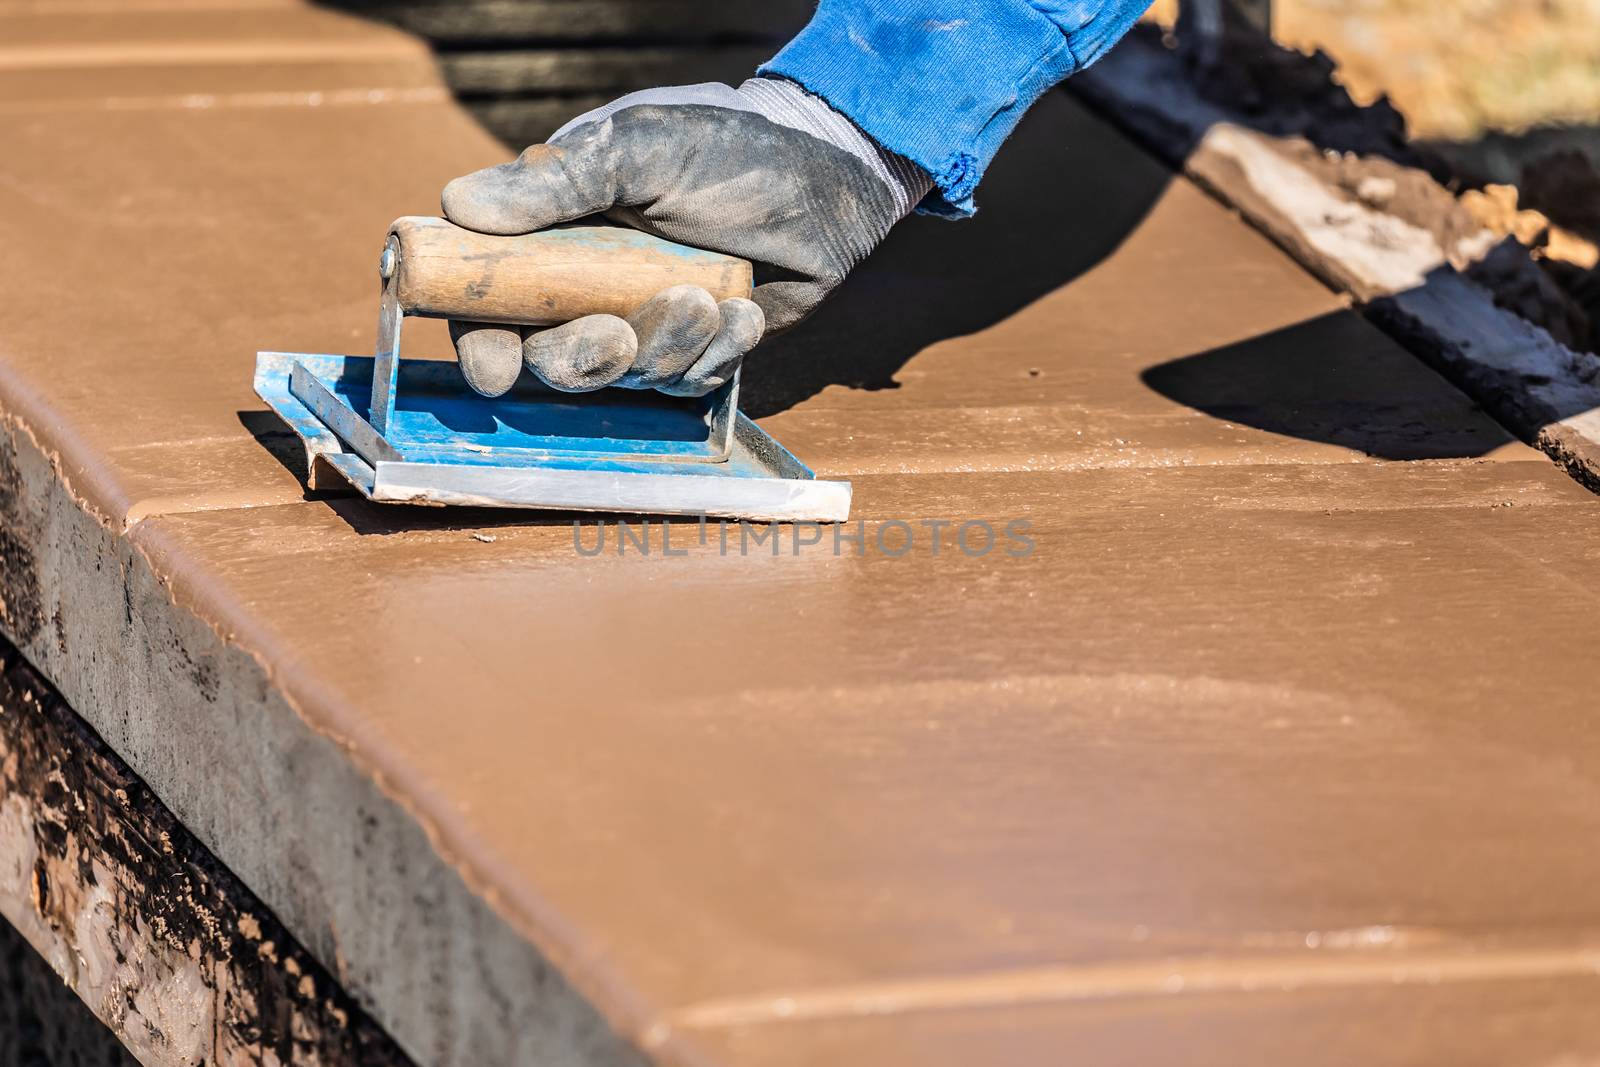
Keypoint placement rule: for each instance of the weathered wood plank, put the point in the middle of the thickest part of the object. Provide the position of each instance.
(44, 1022)
(161, 942)
(1403, 276)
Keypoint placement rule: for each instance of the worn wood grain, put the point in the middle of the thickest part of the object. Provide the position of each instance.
(44, 1022)
(548, 277)
(181, 962)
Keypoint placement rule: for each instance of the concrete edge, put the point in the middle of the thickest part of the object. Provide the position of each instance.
(1400, 276)
(345, 867)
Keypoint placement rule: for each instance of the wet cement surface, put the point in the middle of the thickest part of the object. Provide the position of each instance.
(1280, 737)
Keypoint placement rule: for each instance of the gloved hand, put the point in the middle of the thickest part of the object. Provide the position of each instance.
(767, 172)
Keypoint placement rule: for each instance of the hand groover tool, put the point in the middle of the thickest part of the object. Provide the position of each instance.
(411, 431)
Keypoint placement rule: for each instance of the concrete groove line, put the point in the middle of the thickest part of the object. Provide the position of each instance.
(1521, 562)
(157, 507)
(88, 7)
(73, 57)
(1167, 977)
(161, 507)
(1092, 464)
(182, 442)
(204, 101)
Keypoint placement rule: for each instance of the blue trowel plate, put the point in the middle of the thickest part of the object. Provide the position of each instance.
(609, 450)
(436, 414)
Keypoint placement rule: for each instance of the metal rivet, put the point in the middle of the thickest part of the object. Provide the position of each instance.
(386, 263)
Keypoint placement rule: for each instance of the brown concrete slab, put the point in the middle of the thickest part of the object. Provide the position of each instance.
(1493, 1022)
(97, 7)
(1247, 690)
(859, 786)
(195, 57)
(1326, 390)
(157, 279)
(117, 34)
(1026, 338)
(201, 86)
(207, 204)
(1029, 325)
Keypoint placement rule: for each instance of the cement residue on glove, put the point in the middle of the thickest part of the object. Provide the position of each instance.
(766, 172)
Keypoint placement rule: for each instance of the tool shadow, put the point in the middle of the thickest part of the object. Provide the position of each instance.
(1052, 210)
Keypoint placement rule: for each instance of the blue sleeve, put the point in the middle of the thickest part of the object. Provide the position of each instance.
(944, 82)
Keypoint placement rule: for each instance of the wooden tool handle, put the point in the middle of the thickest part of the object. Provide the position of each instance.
(439, 269)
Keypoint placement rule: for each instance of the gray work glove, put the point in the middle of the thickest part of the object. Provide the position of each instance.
(767, 172)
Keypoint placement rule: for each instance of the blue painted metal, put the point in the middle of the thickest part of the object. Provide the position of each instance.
(436, 419)
(692, 450)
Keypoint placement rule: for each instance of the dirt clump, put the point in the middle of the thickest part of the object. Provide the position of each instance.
(1569, 260)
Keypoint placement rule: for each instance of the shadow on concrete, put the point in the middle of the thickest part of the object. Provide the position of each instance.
(1331, 379)
(1165, 95)
(524, 67)
(367, 518)
(1063, 194)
